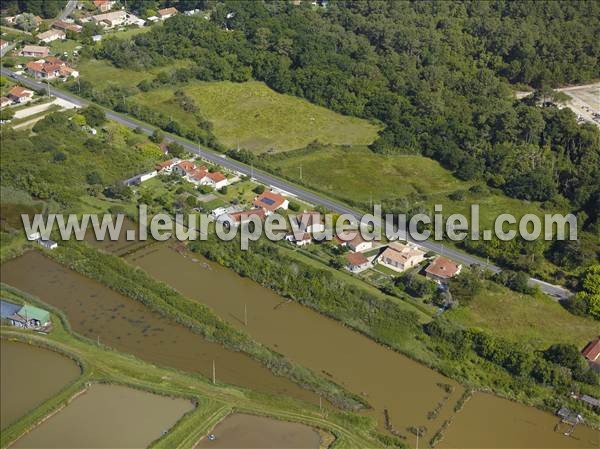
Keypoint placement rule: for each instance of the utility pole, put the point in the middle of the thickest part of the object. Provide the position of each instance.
(300, 172)
(98, 339)
(245, 315)
(214, 376)
(321, 403)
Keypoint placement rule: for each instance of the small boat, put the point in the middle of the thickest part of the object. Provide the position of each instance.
(211, 437)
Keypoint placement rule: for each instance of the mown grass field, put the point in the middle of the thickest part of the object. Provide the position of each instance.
(358, 175)
(259, 119)
(536, 320)
(102, 74)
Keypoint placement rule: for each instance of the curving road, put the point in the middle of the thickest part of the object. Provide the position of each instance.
(555, 291)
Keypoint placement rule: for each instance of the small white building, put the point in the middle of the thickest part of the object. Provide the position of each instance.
(357, 262)
(52, 35)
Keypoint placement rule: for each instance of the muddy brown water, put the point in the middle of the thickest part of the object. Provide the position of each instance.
(108, 416)
(256, 432)
(490, 422)
(388, 380)
(22, 388)
(98, 312)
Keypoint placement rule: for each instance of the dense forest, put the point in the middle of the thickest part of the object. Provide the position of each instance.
(44, 8)
(437, 74)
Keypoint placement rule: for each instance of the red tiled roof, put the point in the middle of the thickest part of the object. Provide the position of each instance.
(199, 173)
(187, 166)
(443, 268)
(217, 176)
(99, 3)
(67, 26)
(344, 237)
(269, 200)
(592, 351)
(18, 91)
(357, 259)
(167, 11)
(311, 217)
(246, 214)
(165, 164)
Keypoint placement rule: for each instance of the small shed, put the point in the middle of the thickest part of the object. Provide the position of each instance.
(34, 316)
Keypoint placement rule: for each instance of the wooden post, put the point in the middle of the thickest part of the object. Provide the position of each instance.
(245, 315)
(321, 403)
(214, 376)
(98, 339)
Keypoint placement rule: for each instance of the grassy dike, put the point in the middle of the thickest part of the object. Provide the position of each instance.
(133, 282)
(213, 402)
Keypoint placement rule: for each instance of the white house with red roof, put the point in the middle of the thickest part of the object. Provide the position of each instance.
(242, 217)
(3, 44)
(104, 5)
(401, 256)
(35, 51)
(5, 101)
(52, 35)
(200, 175)
(167, 166)
(165, 13)
(310, 222)
(299, 238)
(441, 270)
(270, 202)
(50, 68)
(592, 351)
(357, 262)
(20, 95)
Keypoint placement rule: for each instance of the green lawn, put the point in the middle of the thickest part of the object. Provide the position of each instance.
(102, 74)
(257, 118)
(539, 321)
(357, 175)
(58, 47)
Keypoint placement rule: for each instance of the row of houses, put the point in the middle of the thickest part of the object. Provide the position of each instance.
(16, 95)
(50, 68)
(196, 174)
(24, 315)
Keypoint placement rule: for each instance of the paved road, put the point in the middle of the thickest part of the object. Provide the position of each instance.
(69, 7)
(554, 291)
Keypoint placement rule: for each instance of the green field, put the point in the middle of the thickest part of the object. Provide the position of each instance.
(536, 320)
(358, 176)
(259, 119)
(102, 74)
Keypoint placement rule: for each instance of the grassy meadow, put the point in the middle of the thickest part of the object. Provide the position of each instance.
(259, 119)
(357, 175)
(537, 320)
